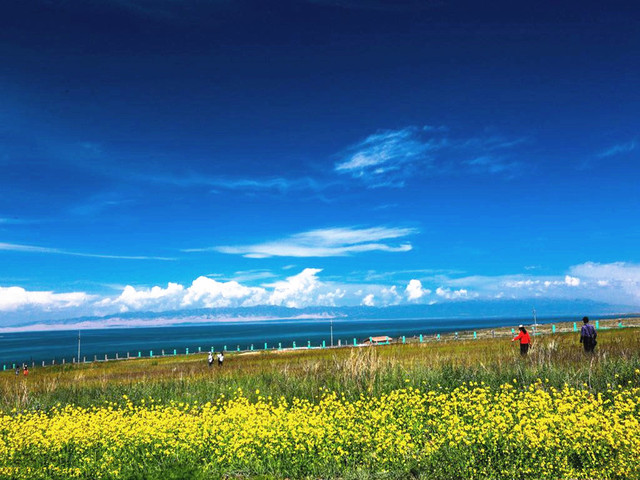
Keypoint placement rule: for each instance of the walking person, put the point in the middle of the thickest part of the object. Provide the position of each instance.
(588, 336)
(220, 359)
(25, 370)
(525, 340)
(210, 359)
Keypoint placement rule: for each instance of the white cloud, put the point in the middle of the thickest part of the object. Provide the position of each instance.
(571, 281)
(56, 251)
(415, 291)
(328, 242)
(297, 290)
(367, 301)
(389, 157)
(449, 294)
(619, 149)
(16, 298)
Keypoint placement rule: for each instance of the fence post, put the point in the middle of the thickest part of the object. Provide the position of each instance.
(43, 363)
(420, 338)
(139, 354)
(323, 344)
(403, 339)
(475, 336)
(513, 332)
(280, 345)
(355, 342)
(553, 328)
(117, 357)
(150, 353)
(575, 327)
(597, 324)
(308, 343)
(199, 349)
(252, 347)
(95, 358)
(84, 359)
(128, 356)
(294, 344)
(438, 337)
(238, 349)
(619, 324)
(265, 346)
(187, 351)
(174, 351)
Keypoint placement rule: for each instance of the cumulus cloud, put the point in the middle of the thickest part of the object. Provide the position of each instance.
(571, 281)
(16, 298)
(367, 301)
(415, 291)
(328, 242)
(449, 294)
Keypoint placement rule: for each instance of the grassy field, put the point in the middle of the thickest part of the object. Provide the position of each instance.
(460, 408)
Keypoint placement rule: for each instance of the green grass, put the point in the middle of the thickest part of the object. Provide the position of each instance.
(447, 364)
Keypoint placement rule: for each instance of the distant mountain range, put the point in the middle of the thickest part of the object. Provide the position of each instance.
(454, 310)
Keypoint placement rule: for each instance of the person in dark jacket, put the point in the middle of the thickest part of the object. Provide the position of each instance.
(525, 340)
(588, 336)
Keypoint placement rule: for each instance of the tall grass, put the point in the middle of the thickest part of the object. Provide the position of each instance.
(556, 359)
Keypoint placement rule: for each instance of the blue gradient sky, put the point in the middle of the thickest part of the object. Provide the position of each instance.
(316, 153)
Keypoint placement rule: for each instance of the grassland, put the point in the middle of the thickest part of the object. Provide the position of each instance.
(455, 408)
(349, 371)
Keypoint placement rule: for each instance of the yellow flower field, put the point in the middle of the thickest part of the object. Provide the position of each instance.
(470, 432)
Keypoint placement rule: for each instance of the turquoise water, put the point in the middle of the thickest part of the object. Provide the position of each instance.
(47, 346)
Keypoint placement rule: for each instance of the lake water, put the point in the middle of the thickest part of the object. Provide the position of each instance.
(47, 346)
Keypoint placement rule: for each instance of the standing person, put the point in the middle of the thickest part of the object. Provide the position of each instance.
(17, 370)
(525, 340)
(588, 336)
(25, 371)
(210, 359)
(220, 359)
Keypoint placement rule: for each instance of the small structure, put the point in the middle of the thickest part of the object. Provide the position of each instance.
(381, 340)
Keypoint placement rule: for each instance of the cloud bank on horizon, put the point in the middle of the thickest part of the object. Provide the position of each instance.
(615, 283)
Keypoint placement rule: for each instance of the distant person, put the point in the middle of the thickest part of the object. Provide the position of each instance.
(220, 359)
(525, 340)
(210, 359)
(25, 370)
(588, 336)
(17, 370)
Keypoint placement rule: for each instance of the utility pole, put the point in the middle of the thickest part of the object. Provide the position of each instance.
(535, 322)
(331, 320)
(78, 347)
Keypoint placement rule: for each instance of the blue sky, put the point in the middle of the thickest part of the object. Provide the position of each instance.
(162, 155)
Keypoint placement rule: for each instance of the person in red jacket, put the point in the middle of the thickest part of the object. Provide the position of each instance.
(525, 340)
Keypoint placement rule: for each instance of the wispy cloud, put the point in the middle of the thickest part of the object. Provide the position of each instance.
(389, 157)
(618, 149)
(329, 242)
(14, 247)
